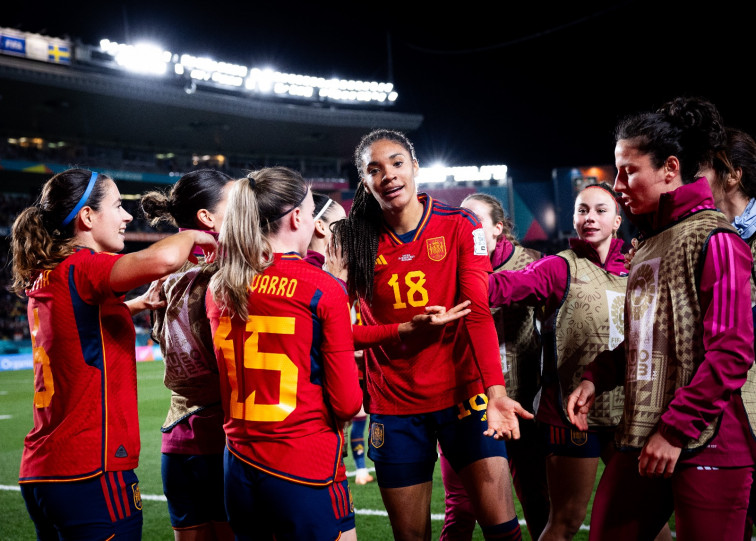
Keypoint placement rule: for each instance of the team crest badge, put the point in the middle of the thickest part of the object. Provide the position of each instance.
(376, 434)
(436, 248)
(578, 437)
(137, 495)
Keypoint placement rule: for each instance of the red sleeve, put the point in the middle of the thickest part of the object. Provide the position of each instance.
(368, 336)
(341, 385)
(727, 340)
(91, 274)
(542, 283)
(480, 325)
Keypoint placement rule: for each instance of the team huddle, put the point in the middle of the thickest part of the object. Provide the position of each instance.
(285, 320)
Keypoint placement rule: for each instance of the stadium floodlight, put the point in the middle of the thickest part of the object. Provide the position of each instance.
(226, 79)
(261, 80)
(494, 172)
(470, 173)
(434, 174)
(220, 72)
(146, 58)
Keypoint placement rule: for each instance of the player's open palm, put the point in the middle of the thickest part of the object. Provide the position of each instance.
(503, 415)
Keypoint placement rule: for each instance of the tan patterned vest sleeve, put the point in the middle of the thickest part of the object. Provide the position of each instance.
(664, 324)
(191, 371)
(519, 340)
(589, 321)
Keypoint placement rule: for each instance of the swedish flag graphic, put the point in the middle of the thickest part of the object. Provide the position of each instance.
(58, 54)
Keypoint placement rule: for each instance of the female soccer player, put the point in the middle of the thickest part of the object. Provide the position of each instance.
(192, 435)
(580, 292)
(327, 211)
(283, 341)
(85, 443)
(404, 252)
(733, 184)
(520, 348)
(684, 438)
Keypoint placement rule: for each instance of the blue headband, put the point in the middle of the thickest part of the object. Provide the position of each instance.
(81, 202)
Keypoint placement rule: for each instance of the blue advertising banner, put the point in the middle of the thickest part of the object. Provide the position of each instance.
(12, 45)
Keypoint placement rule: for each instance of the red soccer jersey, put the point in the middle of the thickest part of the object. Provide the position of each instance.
(443, 262)
(288, 376)
(85, 388)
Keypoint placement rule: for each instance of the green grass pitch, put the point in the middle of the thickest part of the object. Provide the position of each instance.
(16, 421)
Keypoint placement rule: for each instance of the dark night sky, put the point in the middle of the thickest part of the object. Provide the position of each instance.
(531, 86)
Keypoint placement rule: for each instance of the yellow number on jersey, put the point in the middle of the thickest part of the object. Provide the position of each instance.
(417, 295)
(247, 408)
(43, 396)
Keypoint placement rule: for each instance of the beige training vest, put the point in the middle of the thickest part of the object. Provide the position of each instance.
(664, 324)
(589, 321)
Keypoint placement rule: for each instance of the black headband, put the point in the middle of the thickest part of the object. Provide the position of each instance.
(273, 219)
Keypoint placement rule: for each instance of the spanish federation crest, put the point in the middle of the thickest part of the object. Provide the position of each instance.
(578, 437)
(436, 248)
(376, 434)
(137, 495)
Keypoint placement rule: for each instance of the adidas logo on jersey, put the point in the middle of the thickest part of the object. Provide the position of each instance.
(380, 260)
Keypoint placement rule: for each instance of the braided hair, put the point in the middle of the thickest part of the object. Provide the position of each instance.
(358, 235)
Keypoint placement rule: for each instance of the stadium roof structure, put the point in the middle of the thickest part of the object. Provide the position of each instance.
(94, 106)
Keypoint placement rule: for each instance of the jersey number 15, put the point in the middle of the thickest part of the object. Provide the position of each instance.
(245, 407)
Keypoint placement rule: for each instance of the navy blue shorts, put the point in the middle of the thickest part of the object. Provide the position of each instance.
(104, 507)
(403, 447)
(193, 485)
(570, 442)
(265, 507)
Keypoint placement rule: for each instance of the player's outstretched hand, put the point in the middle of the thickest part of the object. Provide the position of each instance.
(502, 414)
(434, 316)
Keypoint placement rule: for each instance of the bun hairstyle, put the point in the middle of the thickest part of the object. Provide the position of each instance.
(194, 191)
(689, 128)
